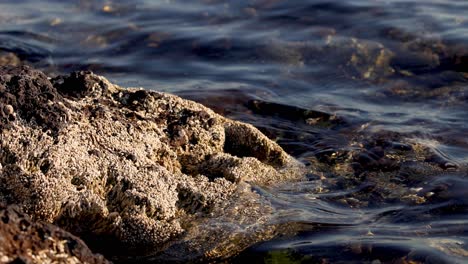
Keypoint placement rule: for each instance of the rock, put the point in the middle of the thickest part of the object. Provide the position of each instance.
(136, 174)
(355, 58)
(9, 58)
(33, 98)
(25, 241)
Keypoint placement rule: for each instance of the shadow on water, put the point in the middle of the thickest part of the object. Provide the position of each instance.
(370, 95)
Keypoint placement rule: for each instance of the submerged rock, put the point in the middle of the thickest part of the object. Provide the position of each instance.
(25, 241)
(137, 174)
(373, 165)
(9, 58)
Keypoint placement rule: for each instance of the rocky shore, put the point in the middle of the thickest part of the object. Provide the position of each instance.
(138, 175)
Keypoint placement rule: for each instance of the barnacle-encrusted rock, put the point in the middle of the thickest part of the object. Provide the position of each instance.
(148, 173)
(25, 241)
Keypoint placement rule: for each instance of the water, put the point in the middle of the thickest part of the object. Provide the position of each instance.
(371, 94)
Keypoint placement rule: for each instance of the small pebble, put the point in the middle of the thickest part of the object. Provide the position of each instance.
(416, 190)
(250, 11)
(56, 21)
(107, 9)
(8, 109)
(429, 194)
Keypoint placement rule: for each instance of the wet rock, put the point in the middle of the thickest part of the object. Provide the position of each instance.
(355, 58)
(136, 174)
(369, 60)
(25, 241)
(375, 166)
(383, 167)
(292, 113)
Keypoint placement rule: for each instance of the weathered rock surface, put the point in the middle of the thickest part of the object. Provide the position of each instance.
(134, 173)
(24, 241)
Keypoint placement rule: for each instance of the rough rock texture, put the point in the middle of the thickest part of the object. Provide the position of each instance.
(24, 241)
(28, 98)
(148, 173)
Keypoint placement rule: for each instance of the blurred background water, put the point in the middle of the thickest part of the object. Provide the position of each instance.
(371, 94)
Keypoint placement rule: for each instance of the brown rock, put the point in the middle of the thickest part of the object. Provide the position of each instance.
(144, 173)
(9, 58)
(25, 241)
(32, 96)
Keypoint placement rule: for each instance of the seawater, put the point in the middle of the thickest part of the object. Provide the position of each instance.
(349, 87)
